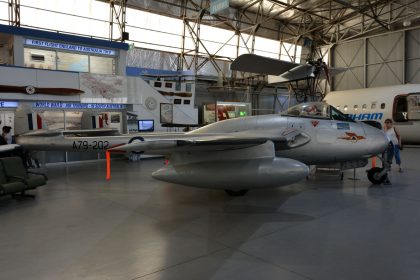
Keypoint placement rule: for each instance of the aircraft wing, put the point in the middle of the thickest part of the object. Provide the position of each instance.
(302, 72)
(261, 65)
(288, 138)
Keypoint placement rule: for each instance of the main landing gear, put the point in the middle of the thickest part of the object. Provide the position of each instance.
(378, 175)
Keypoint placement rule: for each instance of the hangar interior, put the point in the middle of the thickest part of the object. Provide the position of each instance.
(144, 67)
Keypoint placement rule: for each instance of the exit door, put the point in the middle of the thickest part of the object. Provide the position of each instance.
(413, 107)
(406, 108)
(399, 113)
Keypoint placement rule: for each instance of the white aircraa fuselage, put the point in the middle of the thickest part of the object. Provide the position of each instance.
(401, 103)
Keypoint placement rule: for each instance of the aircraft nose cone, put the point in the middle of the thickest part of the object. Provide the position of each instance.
(378, 141)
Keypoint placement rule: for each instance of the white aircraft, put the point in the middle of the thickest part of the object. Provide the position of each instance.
(246, 153)
(401, 103)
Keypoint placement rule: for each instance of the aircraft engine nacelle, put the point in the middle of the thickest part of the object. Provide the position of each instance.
(235, 174)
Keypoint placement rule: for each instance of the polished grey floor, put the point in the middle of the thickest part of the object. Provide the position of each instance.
(133, 227)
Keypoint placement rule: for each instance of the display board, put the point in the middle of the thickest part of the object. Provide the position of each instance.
(166, 113)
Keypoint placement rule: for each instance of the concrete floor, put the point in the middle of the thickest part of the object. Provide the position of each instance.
(133, 227)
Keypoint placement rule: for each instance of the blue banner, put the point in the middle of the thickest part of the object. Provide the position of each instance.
(69, 47)
(66, 105)
(9, 104)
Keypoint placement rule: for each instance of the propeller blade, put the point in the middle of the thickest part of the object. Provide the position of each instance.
(332, 72)
(34, 90)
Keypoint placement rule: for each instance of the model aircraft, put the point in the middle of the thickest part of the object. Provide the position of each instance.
(401, 103)
(245, 153)
(304, 80)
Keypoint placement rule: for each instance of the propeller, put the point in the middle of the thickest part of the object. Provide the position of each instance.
(30, 90)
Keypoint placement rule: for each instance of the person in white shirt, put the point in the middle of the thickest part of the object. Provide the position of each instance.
(395, 139)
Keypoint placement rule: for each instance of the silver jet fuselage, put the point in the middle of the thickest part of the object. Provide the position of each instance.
(243, 153)
(330, 141)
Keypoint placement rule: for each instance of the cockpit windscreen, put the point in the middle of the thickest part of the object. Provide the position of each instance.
(319, 110)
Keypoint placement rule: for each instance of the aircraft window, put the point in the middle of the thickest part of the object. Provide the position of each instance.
(168, 85)
(364, 107)
(373, 106)
(312, 110)
(382, 105)
(345, 108)
(158, 84)
(356, 107)
(339, 116)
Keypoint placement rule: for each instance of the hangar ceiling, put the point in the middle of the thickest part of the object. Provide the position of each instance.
(321, 21)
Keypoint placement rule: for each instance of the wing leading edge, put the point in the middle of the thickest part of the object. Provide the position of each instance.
(286, 138)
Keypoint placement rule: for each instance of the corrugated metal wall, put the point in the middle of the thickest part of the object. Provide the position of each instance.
(389, 59)
(144, 58)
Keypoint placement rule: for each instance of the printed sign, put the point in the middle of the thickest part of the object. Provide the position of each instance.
(366, 117)
(8, 104)
(66, 105)
(345, 126)
(69, 47)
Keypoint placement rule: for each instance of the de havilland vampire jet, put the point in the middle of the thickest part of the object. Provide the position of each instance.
(245, 153)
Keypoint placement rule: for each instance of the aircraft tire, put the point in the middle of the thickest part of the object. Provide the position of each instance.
(236, 193)
(373, 175)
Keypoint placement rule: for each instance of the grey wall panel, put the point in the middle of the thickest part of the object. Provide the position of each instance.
(351, 79)
(384, 74)
(385, 48)
(390, 59)
(413, 56)
(349, 55)
(413, 44)
(413, 71)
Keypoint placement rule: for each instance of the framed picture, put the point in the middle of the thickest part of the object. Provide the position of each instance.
(115, 118)
(166, 113)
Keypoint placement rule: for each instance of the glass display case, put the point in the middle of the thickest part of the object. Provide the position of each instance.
(225, 110)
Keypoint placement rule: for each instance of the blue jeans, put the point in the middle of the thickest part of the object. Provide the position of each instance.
(393, 150)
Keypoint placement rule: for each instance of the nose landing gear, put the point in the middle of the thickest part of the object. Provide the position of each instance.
(378, 175)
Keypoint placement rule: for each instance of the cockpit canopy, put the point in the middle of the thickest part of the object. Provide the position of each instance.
(317, 110)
